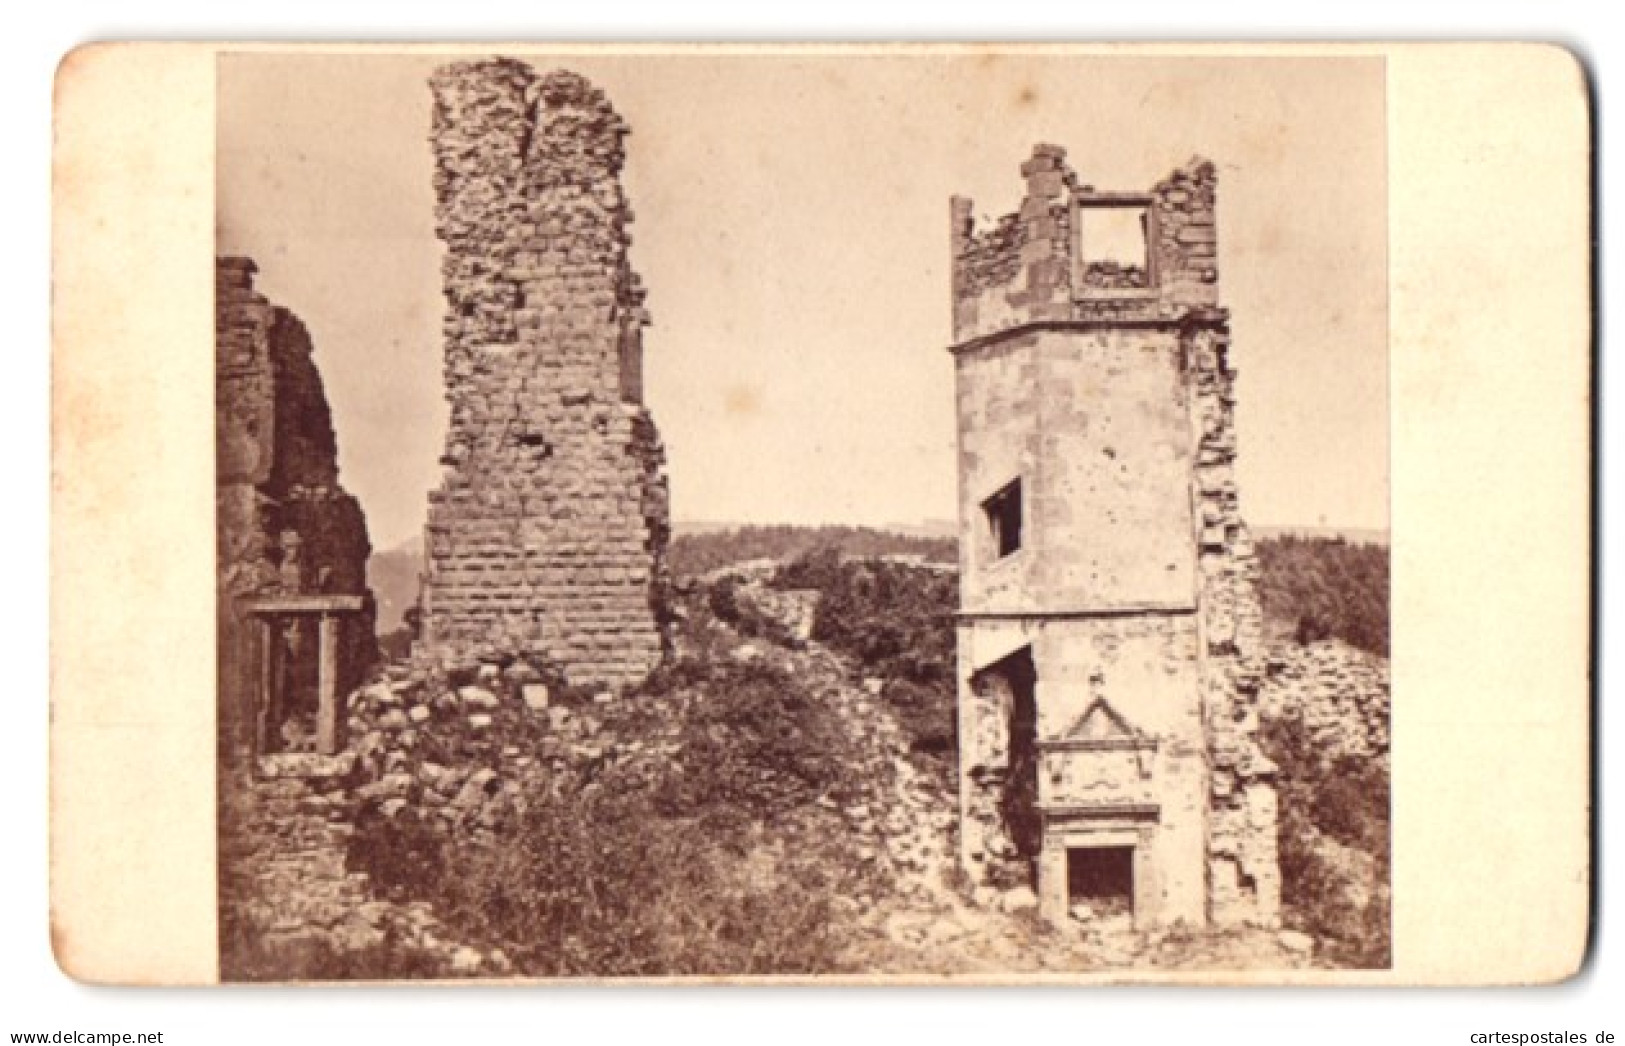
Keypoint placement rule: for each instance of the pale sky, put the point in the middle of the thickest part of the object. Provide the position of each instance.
(792, 229)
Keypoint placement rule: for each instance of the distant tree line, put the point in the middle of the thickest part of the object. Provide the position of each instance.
(692, 554)
(1323, 588)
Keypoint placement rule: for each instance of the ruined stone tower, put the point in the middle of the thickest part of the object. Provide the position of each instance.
(285, 527)
(547, 538)
(1109, 630)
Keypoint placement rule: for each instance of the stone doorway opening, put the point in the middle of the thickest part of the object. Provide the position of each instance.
(1014, 680)
(1100, 884)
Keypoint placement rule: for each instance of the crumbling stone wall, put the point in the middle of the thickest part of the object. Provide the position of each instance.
(1102, 390)
(283, 522)
(547, 538)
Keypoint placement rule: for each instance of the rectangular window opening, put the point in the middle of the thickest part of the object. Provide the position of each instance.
(1114, 245)
(1003, 512)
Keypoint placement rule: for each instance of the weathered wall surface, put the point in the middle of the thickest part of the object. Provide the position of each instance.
(1145, 668)
(547, 538)
(1030, 267)
(284, 524)
(1243, 866)
(1097, 425)
(1105, 388)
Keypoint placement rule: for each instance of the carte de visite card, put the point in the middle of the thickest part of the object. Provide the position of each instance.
(827, 514)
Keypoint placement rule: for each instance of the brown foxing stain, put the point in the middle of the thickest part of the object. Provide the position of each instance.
(742, 401)
(1027, 96)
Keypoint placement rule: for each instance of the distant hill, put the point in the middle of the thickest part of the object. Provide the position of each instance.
(711, 546)
(392, 574)
(698, 547)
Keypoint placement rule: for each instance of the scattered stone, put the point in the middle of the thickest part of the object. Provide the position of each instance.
(1296, 942)
(535, 695)
(478, 697)
(390, 786)
(479, 721)
(382, 695)
(1020, 898)
(307, 765)
(419, 714)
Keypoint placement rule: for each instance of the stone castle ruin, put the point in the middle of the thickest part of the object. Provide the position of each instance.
(295, 626)
(1109, 635)
(547, 538)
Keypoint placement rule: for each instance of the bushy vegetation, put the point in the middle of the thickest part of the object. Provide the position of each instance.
(598, 881)
(695, 554)
(1316, 588)
(896, 622)
(661, 863)
(1334, 846)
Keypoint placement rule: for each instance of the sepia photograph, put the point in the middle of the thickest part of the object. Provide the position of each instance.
(801, 514)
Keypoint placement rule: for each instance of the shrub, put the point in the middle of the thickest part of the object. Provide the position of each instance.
(598, 883)
(756, 742)
(1324, 806)
(404, 856)
(896, 622)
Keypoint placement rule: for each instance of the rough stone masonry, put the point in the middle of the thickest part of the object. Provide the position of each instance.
(1110, 636)
(546, 540)
(285, 527)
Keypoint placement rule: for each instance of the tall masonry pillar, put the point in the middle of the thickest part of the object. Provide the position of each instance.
(547, 537)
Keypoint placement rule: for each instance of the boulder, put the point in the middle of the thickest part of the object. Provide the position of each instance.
(478, 697)
(465, 962)
(390, 786)
(307, 766)
(1020, 898)
(535, 695)
(1296, 942)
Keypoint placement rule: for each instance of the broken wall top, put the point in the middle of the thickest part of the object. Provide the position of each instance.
(1075, 253)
